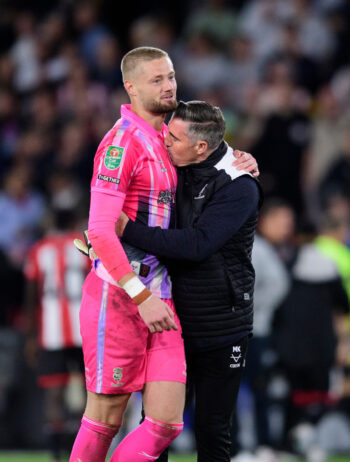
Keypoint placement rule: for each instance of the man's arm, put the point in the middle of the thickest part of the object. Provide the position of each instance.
(224, 215)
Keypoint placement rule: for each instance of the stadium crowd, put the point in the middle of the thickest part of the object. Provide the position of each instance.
(280, 71)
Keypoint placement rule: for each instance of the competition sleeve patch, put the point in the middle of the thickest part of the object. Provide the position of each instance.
(113, 157)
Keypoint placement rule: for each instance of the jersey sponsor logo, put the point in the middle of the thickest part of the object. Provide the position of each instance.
(166, 197)
(108, 178)
(113, 157)
(117, 377)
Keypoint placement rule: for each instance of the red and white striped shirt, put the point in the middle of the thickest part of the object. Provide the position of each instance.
(59, 270)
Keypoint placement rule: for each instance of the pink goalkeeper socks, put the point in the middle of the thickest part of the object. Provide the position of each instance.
(93, 441)
(147, 441)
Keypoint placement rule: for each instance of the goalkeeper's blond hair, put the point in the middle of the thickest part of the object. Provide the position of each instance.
(134, 57)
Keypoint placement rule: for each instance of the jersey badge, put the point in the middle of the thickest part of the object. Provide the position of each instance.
(113, 157)
(117, 377)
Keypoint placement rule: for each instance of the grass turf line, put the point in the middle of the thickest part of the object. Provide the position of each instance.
(43, 457)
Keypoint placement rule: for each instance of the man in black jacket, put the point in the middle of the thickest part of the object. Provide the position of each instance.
(209, 259)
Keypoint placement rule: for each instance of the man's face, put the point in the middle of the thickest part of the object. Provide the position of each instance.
(155, 85)
(181, 148)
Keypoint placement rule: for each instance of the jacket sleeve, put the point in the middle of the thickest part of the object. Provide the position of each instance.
(226, 212)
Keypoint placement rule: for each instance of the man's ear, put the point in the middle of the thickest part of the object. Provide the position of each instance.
(201, 147)
(129, 87)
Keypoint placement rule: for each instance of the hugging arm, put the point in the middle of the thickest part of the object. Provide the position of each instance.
(224, 215)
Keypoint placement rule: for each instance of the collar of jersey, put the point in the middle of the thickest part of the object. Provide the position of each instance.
(145, 127)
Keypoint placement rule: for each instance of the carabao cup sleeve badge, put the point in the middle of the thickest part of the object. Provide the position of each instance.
(113, 157)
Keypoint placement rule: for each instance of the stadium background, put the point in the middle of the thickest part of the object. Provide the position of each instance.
(279, 69)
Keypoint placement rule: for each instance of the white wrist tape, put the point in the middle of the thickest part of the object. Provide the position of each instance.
(133, 287)
(136, 290)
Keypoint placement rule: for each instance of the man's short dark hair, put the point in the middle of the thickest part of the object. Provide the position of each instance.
(207, 122)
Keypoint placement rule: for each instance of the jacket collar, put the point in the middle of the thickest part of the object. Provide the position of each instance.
(210, 161)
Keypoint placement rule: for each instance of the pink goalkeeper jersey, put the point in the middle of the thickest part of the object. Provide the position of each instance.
(133, 164)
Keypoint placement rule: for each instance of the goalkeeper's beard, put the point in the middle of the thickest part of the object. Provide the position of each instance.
(156, 107)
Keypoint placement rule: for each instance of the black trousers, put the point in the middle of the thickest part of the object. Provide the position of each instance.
(215, 377)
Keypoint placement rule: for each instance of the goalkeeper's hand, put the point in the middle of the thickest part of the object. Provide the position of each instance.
(85, 247)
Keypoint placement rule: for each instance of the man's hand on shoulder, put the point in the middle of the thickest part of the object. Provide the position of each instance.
(245, 161)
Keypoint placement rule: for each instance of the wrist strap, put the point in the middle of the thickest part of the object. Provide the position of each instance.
(137, 290)
(142, 297)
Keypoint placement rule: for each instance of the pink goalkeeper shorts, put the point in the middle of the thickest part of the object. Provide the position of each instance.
(120, 353)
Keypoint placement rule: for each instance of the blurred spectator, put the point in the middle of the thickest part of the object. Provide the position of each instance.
(91, 31)
(9, 126)
(340, 84)
(41, 114)
(337, 178)
(7, 34)
(80, 97)
(327, 135)
(21, 209)
(51, 38)
(202, 65)
(306, 338)
(271, 287)
(338, 19)
(315, 36)
(242, 70)
(155, 31)
(65, 192)
(24, 53)
(305, 70)
(334, 231)
(6, 71)
(55, 272)
(216, 18)
(74, 154)
(281, 149)
(277, 225)
(33, 154)
(106, 69)
(261, 20)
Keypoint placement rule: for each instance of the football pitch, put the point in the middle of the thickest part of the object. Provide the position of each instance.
(42, 457)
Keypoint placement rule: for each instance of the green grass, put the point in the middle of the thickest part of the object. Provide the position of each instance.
(42, 457)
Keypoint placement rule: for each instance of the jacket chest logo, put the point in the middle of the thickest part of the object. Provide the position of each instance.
(201, 194)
